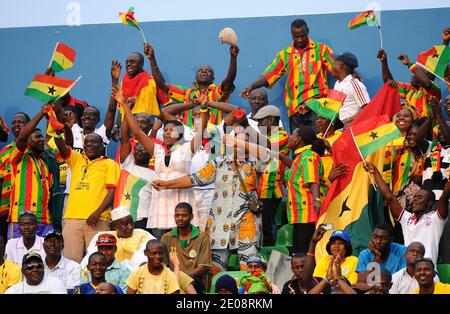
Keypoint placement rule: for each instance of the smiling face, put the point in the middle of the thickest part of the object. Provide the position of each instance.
(155, 254)
(171, 134)
(322, 124)
(141, 156)
(134, 64)
(93, 146)
(411, 137)
(204, 75)
(97, 266)
(403, 120)
(424, 273)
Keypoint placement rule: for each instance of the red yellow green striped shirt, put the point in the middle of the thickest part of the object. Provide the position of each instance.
(5, 177)
(417, 98)
(30, 186)
(307, 168)
(306, 74)
(271, 180)
(186, 95)
(403, 164)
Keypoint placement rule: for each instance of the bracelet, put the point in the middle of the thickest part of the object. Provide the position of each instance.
(204, 108)
(412, 67)
(326, 280)
(310, 254)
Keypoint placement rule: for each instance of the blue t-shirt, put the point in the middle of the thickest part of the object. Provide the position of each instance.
(394, 263)
(87, 288)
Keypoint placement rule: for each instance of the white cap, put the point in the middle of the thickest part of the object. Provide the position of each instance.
(228, 36)
(120, 212)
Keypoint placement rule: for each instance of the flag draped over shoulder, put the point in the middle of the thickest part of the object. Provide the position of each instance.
(127, 192)
(351, 203)
(128, 18)
(329, 106)
(435, 59)
(365, 18)
(48, 88)
(63, 58)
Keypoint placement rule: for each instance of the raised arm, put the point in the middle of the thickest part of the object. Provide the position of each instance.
(170, 111)
(421, 75)
(386, 73)
(28, 129)
(116, 68)
(437, 114)
(253, 149)
(394, 204)
(443, 201)
(260, 82)
(159, 79)
(125, 145)
(178, 183)
(227, 83)
(310, 261)
(143, 138)
(222, 106)
(204, 113)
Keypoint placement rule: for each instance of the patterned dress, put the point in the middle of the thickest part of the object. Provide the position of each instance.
(230, 223)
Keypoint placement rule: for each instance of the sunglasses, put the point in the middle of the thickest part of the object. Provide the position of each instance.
(30, 267)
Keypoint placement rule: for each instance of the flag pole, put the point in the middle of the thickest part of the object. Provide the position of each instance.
(381, 36)
(54, 50)
(328, 128)
(140, 30)
(364, 161)
(425, 68)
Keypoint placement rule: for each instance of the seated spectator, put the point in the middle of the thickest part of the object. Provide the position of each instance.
(153, 277)
(403, 281)
(424, 273)
(339, 245)
(296, 285)
(56, 265)
(35, 281)
(130, 241)
(257, 263)
(97, 266)
(382, 251)
(29, 241)
(226, 285)
(11, 273)
(116, 273)
(191, 246)
(383, 285)
(255, 282)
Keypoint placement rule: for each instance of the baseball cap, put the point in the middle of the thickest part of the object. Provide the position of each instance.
(53, 234)
(348, 58)
(31, 255)
(106, 239)
(267, 111)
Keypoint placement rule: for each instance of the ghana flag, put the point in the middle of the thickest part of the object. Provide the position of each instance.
(328, 107)
(435, 59)
(53, 123)
(367, 17)
(128, 18)
(379, 135)
(48, 88)
(63, 58)
(127, 192)
(351, 203)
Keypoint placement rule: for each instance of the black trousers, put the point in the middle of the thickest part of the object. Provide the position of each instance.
(302, 236)
(4, 227)
(270, 206)
(307, 119)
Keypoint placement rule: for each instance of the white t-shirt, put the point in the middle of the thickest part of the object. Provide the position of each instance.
(15, 249)
(48, 285)
(427, 230)
(357, 96)
(145, 195)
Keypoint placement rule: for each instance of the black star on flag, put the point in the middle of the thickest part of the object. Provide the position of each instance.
(325, 102)
(51, 90)
(373, 135)
(402, 164)
(128, 197)
(436, 55)
(344, 207)
(34, 204)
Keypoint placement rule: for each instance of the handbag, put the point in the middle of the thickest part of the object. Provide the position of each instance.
(255, 205)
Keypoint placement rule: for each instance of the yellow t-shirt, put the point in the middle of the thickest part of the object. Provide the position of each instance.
(439, 288)
(348, 268)
(89, 186)
(144, 282)
(63, 167)
(185, 281)
(10, 274)
(146, 100)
